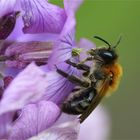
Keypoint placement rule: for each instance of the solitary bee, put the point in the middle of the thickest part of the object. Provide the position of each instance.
(97, 81)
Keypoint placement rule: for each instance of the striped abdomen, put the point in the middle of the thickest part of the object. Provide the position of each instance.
(79, 102)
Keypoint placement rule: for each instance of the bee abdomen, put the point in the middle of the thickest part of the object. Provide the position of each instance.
(72, 108)
(78, 104)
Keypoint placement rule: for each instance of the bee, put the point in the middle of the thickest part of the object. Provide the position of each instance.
(98, 80)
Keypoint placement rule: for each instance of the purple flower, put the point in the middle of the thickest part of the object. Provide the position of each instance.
(41, 37)
(97, 124)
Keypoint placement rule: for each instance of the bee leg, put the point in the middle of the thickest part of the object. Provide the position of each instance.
(87, 59)
(79, 65)
(73, 78)
(99, 75)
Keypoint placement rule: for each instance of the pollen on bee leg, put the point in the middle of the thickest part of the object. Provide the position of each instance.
(76, 51)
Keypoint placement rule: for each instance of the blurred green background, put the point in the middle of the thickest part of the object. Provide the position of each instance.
(109, 19)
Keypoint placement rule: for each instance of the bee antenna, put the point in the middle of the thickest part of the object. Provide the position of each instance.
(118, 42)
(97, 37)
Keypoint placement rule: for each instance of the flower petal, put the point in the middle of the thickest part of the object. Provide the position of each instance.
(63, 47)
(28, 86)
(19, 36)
(58, 87)
(65, 131)
(5, 124)
(97, 124)
(42, 17)
(86, 45)
(34, 118)
(23, 53)
(7, 6)
(71, 6)
(61, 52)
(66, 118)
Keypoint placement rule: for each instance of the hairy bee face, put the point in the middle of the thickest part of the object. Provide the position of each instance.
(106, 55)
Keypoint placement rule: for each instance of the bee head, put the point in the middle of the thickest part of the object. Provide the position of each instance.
(107, 55)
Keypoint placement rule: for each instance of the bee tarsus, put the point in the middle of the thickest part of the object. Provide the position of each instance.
(79, 66)
(73, 78)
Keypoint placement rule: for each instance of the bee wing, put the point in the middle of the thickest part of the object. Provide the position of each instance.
(100, 94)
